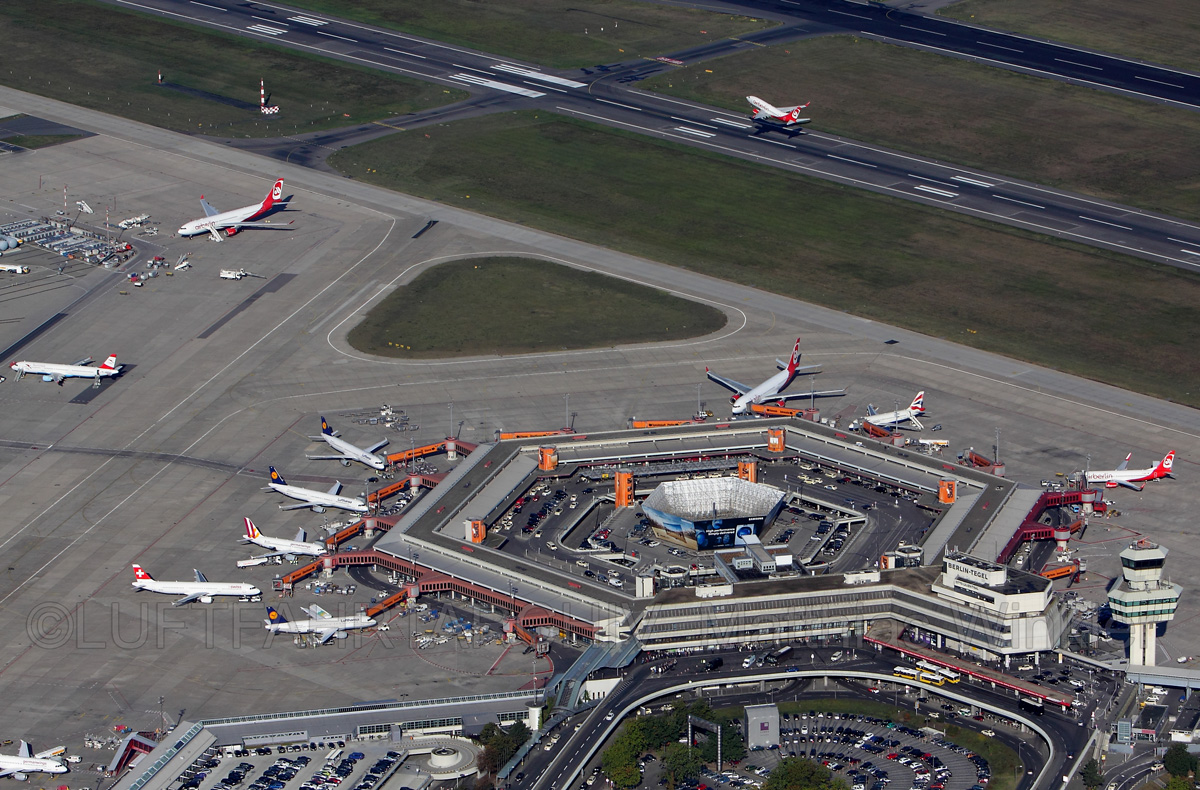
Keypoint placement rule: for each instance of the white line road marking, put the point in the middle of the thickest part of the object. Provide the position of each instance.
(543, 87)
(1083, 65)
(930, 180)
(537, 75)
(1184, 241)
(936, 191)
(772, 142)
(923, 30)
(409, 54)
(1160, 82)
(264, 19)
(334, 35)
(270, 31)
(972, 181)
(308, 20)
(851, 161)
(468, 68)
(998, 46)
(1190, 252)
(617, 103)
(689, 120)
(206, 5)
(734, 124)
(500, 86)
(1022, 202)
(856, 16)
(1105, 222)
(696, 132)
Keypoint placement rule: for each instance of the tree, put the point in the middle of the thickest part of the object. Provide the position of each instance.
(1090, 774)
(796, 773)
(1178, 761)
(679, 763)
(1178, 783)
(519, 732)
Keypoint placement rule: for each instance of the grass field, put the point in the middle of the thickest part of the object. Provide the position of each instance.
(1092, 313)
(1039, 130)
(39, 140)
(554, 33)
(520, 306)
(115, 55)
(1159, 31)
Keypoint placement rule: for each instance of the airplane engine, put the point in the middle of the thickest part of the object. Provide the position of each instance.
(345, 462)
(206, 599)
(231, 231)
(340, 635)
(318, 509)
(20, 777)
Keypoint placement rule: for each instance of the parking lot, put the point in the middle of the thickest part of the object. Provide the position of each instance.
(317, 765)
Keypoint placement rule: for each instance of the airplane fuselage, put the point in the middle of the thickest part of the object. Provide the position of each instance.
(63, 371)
(320, 498)
(764, 391)
(324, 624)
(204, 589)
(220, 221)
(353, 452)
(31, 765)
(290, 546)
(1126, 475)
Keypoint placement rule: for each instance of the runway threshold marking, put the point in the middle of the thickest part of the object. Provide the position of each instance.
(734, 124)
(308, 20)
(1105, 222)
(537, 75)
(972, 181)
(1169, 238)
(936, 191)
(688, 120)
(696, 132)
(930, 180)
(270, 31)
(273, 285)
(500, 86)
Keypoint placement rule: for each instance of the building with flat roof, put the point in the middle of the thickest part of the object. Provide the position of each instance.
(761, 726)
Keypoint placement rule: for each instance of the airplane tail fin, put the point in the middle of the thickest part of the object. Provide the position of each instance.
(1164, 466)
(795, 359)
(273, 197)
(918, 404)
(140, 573)
(110, 363)
(276, 477)
(325, 429)
(274, 617)
(251, 530)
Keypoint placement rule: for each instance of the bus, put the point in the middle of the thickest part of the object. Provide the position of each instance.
(1033, 705)
(906, 672)
(775, 656)
(949, 674)
(932, 678)
(929, 666)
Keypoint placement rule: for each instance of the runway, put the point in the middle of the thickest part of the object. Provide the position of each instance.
(608, 95)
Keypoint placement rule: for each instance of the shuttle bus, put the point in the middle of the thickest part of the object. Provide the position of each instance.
(932, 678)
(1033, 705)
(906, 672)
(775, 656)
(929, 666)
(949, 674)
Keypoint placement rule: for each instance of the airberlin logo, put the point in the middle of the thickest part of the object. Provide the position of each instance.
(277, 191)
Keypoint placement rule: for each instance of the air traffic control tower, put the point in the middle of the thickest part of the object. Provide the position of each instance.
(1142, 599)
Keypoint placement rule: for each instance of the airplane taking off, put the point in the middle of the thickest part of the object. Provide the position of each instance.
(26, 762)
(279, 547)
(82, 369)
(770, 117)
(322, 623)
(317, 500)
(236, 219)
(897, 417)
(200, 590)
(769, 389)
(348, 452)
(1124, 476)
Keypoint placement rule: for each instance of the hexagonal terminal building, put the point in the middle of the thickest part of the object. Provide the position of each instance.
(1143, 599)
(710, 513)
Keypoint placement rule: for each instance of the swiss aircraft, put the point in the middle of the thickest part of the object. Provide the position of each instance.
(201, 590)
(908, 415)
(347, 452)
(236, 219)
(279, 547)
(325, 625)
(83, 369)
(1124, 476)
(769, 390)
(317, 500)
(26, 762)
(768, 117)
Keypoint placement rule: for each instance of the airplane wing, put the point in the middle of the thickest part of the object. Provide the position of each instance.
(187, 599)
(200, 577)
(801, 370)
(7, 772)
(208, 209)
(729, 384)
(335, 489)
(301, 536)
(268, 225)
(84, 361)
(1124, 464)
(377, 445)
(26, 750)
(871, 412)
(298, 506)
(316, 612)
(817, 394)
(326, 635)
(1128, 484)
(326, 457)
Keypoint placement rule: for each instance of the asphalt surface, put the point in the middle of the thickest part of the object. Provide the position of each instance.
(607, 95)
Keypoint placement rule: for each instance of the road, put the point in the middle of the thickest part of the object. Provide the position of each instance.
(607, 96)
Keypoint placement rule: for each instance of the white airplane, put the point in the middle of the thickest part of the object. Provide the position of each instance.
(1124, 476)
(15, 269)
(317, 500)
(776, 116)
(200, 590)
(236, 219)
(82, 369)
(897, 417)
(322, 623)
(769, 389)
(26, 762)
(348, 452)
(279, 547)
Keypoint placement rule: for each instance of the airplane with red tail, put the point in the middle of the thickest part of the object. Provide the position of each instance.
(1124, 476)
(236, 219)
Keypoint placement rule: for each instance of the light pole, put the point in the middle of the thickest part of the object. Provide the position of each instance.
(567, 410)
(451, 434)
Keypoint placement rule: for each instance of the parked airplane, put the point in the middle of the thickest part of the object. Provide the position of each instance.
(200, 590)
(15, 269)
(769, 389)
(26, 762)
(776, 117)
(82, 369)
(236, 219)
(897, 417)
(348, 452)
(1124, 476)
(279, 547)
(317, 500)
(322, 623)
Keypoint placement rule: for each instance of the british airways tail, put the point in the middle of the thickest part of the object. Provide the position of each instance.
(918, 404)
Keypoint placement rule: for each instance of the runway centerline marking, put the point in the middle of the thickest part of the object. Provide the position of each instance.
(1084, 65)
(1022, 202)
(1105, 222)
(999, 46)
(851, 161)
(1160, 82)
(334, 35)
